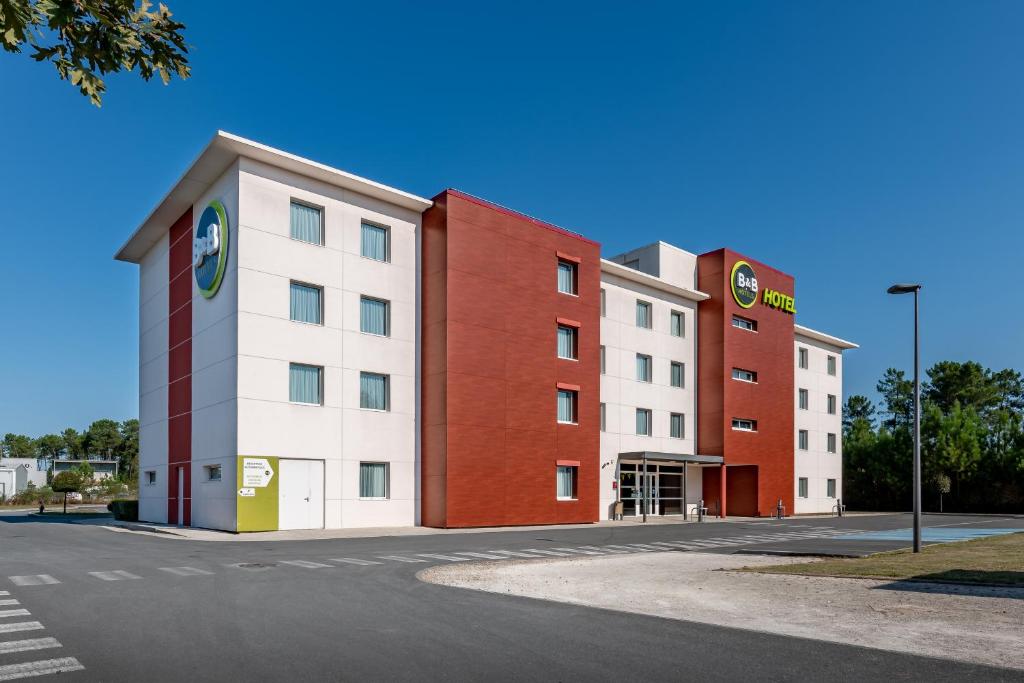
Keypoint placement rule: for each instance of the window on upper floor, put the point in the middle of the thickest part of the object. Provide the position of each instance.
(643, 421)
(677, 325)
(801, 487)
(830, 488)
(602, 360)
(604, 310)
(643, 314)
(603, 412)
(566, 277)
(644, 370)
(150, 478)
(374, 316)
(307, 223)
(567, 402)
(213, 472)
(565, 482)
(744, 375)
(744, 425)
(744, 323)
(803, 400)
(374, 242)
(677, 374)
(831, 404)
(802, 358)
(566, 342)
(374, 391)
(802, 439)
(831, 442)
(676, 426)
(305, 384)
(832, 365)
(306, 303)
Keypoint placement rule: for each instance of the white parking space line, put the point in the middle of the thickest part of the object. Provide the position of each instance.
(482, 556)
(305, 564)
(554, 553)
(5, 592)
(644, 547)
(21, 626)
(10, 672)
(515, 553)
(400, 558)
(627, 549)
(185, 571)
(447, 558)
(9, 646)
(352, 560)
(6, 603)
(5, 613)
(580, 551)
(602, 551)
(33, 580)
(115, 575)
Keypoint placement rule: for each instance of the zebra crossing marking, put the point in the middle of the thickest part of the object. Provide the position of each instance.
(12, 601)
(482, 556)
(33, 580)
(5, 592)
(185, 571)
(11, 646)
(115, 575)
(515, 553)
(305, 564)
(4, 613)
(447, 558)
(579, 551)
(401, 558)
(10, 672)
(352, 560)
(21, 626)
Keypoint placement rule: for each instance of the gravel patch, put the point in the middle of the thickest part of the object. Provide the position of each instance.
(972, 624)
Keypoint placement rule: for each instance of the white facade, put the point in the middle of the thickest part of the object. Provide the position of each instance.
(817, 464)
(34, 469)
(623, 391)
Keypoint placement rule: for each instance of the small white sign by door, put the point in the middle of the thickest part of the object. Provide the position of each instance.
(247, 493)
(256, 472)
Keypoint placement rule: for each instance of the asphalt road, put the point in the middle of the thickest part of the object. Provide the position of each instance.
(135, 607)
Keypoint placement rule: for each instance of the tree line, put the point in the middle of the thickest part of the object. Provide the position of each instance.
(106, 439)
(972, 441)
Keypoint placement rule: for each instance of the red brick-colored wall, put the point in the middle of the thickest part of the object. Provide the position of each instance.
(490, 440)
(179, 368)
(769, 352)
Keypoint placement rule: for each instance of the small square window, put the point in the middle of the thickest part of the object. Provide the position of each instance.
(676, 324)
(802, 487)
(374, 316)
(802, 358)
(802, 439)
(676, 426)
(213, 472)
(150, 478)
(567, 342)
(373, 391)
(831, 442)
(643, 314)
(644, 365)
(830, 488)
(566, 277)
(643, 421)
(565, 482)
(803, 399)
(373, 480)
(678, 375)
(832, 365)
(306, 303)
(374, 242)
(307, 223)
(305, 384)
(567, 406)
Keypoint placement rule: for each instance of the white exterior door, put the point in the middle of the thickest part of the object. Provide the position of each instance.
(300, 494)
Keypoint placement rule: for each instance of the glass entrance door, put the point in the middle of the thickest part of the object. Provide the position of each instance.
(660, 490)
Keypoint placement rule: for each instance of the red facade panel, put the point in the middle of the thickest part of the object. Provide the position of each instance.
(179, 369)
(490, 439)
(769, 352)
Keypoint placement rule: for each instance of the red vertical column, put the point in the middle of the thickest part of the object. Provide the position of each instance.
(179, 370)
(721, 494)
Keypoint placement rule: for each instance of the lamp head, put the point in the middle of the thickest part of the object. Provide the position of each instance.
(903, 288)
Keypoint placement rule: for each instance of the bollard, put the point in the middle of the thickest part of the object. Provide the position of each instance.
(779, 510)
(839, 507)
(700, 511)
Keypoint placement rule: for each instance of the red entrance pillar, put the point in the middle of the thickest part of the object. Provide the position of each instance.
(721, 495)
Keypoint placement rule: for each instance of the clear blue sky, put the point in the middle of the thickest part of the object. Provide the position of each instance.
(850, 144)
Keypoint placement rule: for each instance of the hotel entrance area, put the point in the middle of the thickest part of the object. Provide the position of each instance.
(661, 484)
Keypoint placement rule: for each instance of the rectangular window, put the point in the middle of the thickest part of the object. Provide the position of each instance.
(305, 383)
(307, 304)
(643, 314)
(602, 360)
(744, 323)
(567, 342)
(831, 404)
(802, 439)
(374, 316)
(373, 391)
(744, 375)
(830, 488)
(803, 399)
(566, 277)
(643, 368)
(802, 355)
(831, 442)
(604, 311)
(743, 425)
(565, 482)
(373, 242)
(676, 426)
(802, 487)
(603, 412)
(212, 472)
(643, 422)
(566, 406)
(373, 480)
(676, 325)
(678, 375)
(150, 478)
(307, 224)
(832, 365)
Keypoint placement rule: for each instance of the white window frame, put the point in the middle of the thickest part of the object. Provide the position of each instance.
(387, 480)
(575, 333)
(743, 424)
(741, 375)
(575, 395)
(746, 324)
(574, 473)
(575, 269)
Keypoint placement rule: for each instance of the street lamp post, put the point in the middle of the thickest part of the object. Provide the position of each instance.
(915, 289)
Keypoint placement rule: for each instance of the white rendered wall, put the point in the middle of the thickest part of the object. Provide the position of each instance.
(215, 373)
(622, 393)
(337, 432)
(665, 261)
(153, 273)
(816, 463)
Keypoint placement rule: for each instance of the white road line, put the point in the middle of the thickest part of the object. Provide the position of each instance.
(21, 626)
(645, 547)
(447, 558)
(33, 580)
(628, 549)
(400, 558)
(115, 575)
(667, 544)
(184, 571)
(12, 601)
(515, 553)
(4, 613)
(547, 552)
(580, 551)
(483, 556)
(5, 592)
(43, 667)
(352, 560)
(305, 564)
(9, 646)
(603, 551)
(614, 549)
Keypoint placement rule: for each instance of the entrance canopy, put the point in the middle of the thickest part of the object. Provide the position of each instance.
(653, 456)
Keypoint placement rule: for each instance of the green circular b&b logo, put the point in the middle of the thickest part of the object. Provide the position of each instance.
(744, 284)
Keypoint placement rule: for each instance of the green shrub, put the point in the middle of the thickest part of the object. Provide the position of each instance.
(124, 510)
